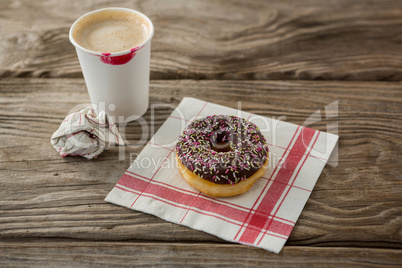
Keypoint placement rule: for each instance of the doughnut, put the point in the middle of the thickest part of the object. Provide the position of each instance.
(221, 155)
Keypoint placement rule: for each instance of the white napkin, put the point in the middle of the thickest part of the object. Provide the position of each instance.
(262, 217)
(85, 134)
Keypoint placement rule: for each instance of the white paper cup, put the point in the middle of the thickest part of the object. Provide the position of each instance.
(118, 83)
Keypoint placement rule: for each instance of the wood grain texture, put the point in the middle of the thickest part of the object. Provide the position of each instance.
(253, 40)
(119, 254)
(256, 55)
(356, 202)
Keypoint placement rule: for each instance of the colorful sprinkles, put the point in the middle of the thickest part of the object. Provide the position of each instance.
(222, 149)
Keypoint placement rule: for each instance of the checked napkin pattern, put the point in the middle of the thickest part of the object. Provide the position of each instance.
(262, 217)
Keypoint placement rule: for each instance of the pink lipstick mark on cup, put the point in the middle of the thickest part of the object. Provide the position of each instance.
(119, 60)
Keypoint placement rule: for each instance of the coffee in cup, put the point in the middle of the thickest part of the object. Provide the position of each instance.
(111, 31)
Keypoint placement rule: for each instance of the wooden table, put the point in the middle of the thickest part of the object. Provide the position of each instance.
(283, 59)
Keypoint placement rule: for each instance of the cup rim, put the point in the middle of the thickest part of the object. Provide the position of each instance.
(120, 53)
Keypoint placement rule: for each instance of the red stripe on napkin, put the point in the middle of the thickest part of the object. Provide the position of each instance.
(287, 192)
(191, 202)
(224, 206)
(255, 223)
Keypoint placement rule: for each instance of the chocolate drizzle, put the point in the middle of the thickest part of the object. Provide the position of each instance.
(222, 149)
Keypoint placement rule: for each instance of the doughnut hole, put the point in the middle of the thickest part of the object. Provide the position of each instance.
(220, 141)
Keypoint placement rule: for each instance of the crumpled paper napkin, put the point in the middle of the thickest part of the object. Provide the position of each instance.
(85, 134)
(262, 217)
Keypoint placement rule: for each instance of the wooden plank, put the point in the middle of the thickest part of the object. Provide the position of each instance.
(356, 202)
(67, 253)
(285, 40)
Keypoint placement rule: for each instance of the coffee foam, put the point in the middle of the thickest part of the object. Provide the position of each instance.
(111, 30)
